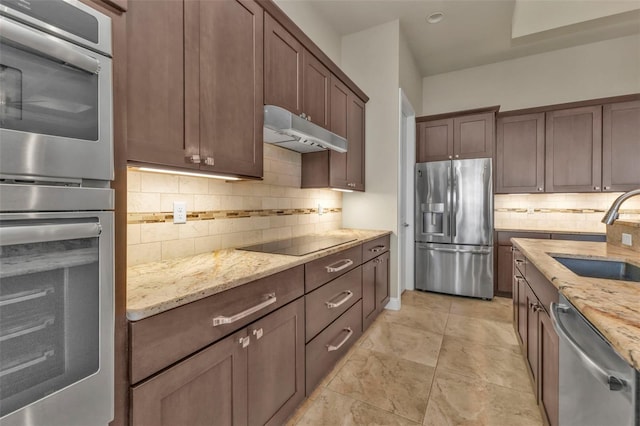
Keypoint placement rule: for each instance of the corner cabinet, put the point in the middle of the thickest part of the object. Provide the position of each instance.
(621, 146)
(331, 169)
(456, 137)
(375, 288)
(195, 85)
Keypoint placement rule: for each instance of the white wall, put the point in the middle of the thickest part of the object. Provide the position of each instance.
(595, 70)
(410, 78)
(371, 59)
(318, 29)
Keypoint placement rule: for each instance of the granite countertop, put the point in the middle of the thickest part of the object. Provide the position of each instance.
(612, 306)
(549, 231)
(156, 287)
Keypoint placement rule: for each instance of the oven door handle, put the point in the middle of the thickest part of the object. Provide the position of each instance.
(47, 46)
(612, 382)
(43, 233)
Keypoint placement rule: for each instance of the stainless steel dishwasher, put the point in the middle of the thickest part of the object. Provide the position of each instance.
(597, 386)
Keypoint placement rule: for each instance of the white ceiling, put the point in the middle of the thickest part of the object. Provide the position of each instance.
(473, 32)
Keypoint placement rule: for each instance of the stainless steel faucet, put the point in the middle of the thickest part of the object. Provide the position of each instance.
(612, 214)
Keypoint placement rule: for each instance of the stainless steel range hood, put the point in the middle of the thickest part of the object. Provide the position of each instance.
(287, 130)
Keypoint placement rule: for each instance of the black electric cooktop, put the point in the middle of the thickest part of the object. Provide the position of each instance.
(298, 246)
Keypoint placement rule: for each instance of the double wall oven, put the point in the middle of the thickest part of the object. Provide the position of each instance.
(56, 214)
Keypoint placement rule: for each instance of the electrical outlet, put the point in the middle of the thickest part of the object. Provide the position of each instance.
(320, 209)
(179, 212)
(530, 210)
(626, 239)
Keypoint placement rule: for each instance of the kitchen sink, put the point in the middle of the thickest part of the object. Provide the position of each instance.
(597, 268)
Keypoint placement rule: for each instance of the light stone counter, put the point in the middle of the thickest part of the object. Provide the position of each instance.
(612, 306)
(156, 287)
(549, 230)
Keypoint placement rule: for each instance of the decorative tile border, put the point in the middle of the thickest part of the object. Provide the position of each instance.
(137, 218)
(549, 210)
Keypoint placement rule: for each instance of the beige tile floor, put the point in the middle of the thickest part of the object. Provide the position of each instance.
(440, 360)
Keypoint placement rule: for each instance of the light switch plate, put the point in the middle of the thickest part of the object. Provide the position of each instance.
(626, 239)
(179, 212)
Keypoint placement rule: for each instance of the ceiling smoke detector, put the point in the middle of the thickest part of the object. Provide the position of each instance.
(435, 17)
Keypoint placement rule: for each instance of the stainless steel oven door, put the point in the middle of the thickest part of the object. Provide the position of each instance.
(56, 318)
(55, 106)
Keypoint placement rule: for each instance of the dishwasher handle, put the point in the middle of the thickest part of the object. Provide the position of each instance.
(612, 382)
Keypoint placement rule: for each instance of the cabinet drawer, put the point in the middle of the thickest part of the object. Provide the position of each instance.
(332, 344)
(329, 267)
(519, 262)
(374, 248)
(163, 339)
(541, 286)
(328, 302)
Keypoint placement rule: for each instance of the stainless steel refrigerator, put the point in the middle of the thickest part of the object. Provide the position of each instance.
(454, 227)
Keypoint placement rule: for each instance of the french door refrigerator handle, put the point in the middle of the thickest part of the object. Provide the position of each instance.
(48, 46)
(454, 204)
(482, 252)
(612, 382)
(449, 202)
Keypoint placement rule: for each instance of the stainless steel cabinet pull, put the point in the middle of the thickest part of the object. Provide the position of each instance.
(343, 264)
(244, 341)
(519, 261)
(348, 295)
(518, 277)
(258, 333)
(220, 320)
(48, 46)
(331, 348)
(378, 249)
(43, 233)
(612, 382)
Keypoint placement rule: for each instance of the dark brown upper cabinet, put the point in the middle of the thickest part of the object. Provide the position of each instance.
(195, 80)
(455, 138)
(520, 154)
(621, 146)
(283, 65)
(156, 84)
(331, 169)
(294, 79)
(316, 79)
(435, 140)
(473, 136)
(574, 150)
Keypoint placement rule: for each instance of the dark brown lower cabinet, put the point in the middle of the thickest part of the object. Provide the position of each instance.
(255, 376)
(549, 372)
(531, 339)
(533, 293)
(209, 385)
(375, 288)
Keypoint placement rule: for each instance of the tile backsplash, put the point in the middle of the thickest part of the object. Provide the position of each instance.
(570, 212)
(224, 214)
